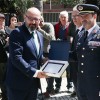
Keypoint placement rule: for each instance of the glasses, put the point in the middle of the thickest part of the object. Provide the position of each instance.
(32, 18)
(75, 16)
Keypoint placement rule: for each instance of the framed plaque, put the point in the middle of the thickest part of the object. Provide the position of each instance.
(54, 68)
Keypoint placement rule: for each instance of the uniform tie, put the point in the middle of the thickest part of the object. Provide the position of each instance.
(77, 31)
(85, 35)
(76, 34)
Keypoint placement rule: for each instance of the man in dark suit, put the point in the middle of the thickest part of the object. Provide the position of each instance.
(88, 53)
(25, 55)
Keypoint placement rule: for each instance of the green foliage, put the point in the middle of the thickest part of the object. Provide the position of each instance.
(15, 6)
(70, 3)
(22, 5)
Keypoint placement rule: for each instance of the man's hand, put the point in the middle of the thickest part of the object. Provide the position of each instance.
(39, 28)
(41, 75)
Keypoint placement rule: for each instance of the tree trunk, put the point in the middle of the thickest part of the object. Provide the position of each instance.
(39, 4)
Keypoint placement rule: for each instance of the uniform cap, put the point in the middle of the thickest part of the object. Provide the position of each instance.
(87, 8)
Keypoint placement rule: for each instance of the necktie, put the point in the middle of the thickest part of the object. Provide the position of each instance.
(85, 35)
(77, 31)
(32, 34)
(76, 34)
(36, 41)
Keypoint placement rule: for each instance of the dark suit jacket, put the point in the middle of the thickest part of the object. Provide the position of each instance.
(3, 54)
(73, 55)
(23, 60)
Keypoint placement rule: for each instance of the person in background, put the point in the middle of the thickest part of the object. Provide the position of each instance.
(25, 58)
(47, 30)
(3, 57)
(10, 28)
(13, 23)
(77, 20)
(88, 54)
(62, 33)
(48, 33)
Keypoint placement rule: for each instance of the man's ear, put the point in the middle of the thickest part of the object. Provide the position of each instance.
(95, 16)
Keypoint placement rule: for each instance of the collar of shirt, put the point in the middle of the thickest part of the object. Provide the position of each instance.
(32, 31)
(90, 30)
(80, 28)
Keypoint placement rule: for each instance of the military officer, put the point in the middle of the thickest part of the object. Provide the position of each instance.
(88, 53)
(77, 20)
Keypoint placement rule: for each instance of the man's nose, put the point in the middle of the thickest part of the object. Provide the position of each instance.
(33, 21)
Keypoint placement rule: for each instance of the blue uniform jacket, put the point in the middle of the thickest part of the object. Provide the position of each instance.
(88, 53)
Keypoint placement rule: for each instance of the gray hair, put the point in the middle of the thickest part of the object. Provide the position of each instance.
(63, 13)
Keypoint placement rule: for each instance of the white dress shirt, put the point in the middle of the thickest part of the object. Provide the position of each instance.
(36, 40)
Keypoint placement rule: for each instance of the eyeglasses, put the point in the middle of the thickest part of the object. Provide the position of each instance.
(33, 18)
(75, 16)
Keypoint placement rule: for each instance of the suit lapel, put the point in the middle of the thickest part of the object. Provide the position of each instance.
(34, 47)
(40, 42)
(32, 43)
(40, 45)
(30, 37)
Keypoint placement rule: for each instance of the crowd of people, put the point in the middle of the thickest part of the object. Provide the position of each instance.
(24, 48)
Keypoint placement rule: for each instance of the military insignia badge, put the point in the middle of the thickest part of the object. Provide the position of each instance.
(94, 43)
(98, 36)
(80, 8)
(94, 31)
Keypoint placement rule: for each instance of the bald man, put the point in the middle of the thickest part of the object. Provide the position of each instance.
(25, 55)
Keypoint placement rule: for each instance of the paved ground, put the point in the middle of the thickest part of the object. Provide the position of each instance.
(63, 95)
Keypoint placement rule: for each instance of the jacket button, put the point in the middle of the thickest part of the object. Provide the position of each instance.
(83, 48)
(97, 76)
(82, 63)
(82, 71)
(92, 49)
(82, 56)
